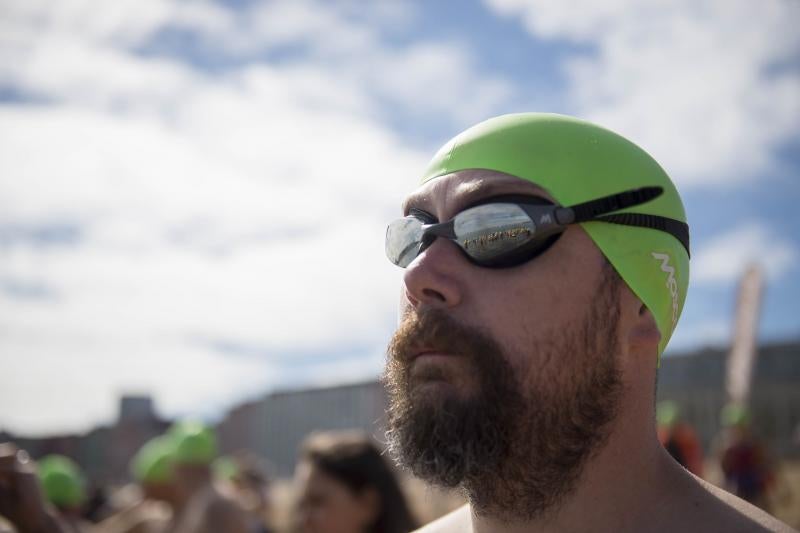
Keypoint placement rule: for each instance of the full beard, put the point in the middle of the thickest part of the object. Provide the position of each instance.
(516, 450)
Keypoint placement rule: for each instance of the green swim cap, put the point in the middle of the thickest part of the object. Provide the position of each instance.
(667, 413)
(734, 414)
(576, 161)
(154, 461)
(225, 468)
(62, 481)
(195, 442)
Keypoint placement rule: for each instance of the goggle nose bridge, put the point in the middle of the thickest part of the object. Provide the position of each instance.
(440, 229)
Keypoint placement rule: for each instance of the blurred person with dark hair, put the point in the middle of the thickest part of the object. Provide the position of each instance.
(546, 265)
(745, 461)
(678, 437)
(44, 498)
(98, 504)
(243, 476)
(199, 506)
(346, 486)
(175, 470)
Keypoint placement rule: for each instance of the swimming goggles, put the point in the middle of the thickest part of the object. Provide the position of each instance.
(506, 231)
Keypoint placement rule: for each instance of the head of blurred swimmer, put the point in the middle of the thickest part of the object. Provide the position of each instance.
(194, 450)
(63, 484)
(506, 381)
(244, 476)
(345, 486)
(153, 467)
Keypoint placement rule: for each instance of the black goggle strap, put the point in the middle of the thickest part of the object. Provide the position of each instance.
(598, 210)
(608, 204)
(676, 228)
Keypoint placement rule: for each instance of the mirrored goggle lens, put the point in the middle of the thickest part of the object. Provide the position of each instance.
(403, 240)
(486, 233)
(489, 231)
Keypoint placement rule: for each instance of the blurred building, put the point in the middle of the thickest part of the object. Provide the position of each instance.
(243, 428)
(137, 423)
(275, 426)
(695, 382)
(103, 452)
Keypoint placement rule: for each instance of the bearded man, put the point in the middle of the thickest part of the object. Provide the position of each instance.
(546, 265)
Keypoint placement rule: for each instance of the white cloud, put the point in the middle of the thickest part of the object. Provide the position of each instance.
(725, 258)
(429, 78)
(278, 215)
(125, 23)
(422, 78)
(65, 53)
(68, 381)
(247, 206)
(700, 85)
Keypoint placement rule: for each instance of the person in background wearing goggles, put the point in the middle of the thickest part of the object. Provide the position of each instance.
(546, 266)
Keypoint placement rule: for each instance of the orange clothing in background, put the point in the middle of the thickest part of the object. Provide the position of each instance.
(683, 445)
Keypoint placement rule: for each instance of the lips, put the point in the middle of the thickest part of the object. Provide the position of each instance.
(428, 352)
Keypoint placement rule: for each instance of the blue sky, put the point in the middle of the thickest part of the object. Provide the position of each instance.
(178, 177)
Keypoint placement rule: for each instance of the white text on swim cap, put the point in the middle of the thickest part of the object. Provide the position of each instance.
(672, 285)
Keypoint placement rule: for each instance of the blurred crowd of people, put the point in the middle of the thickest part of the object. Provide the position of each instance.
(181, 485)
(342, 483)
(745, 463)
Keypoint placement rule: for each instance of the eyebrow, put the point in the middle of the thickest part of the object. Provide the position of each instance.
(471, 193)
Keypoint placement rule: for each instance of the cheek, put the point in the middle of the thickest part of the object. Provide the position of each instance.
(521, 308)
(532, 310)
(534, 292)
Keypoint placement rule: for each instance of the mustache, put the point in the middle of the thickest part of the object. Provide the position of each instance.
(434, 330)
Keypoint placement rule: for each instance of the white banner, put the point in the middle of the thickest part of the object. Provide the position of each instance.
(743, 350)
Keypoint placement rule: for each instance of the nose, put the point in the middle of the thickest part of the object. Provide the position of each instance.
(433, 278)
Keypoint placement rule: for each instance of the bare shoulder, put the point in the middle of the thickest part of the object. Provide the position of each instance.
(459, 521)
(713, 509)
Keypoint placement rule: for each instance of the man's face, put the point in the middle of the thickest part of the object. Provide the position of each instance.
(502, 381)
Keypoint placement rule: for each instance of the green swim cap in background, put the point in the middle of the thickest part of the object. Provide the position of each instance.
(576, 161)
(667, 413)
(62, 481)
(154, 461)
(225, 468)
(734, 414)
(195, 442)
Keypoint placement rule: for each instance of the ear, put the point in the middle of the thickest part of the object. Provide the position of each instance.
(644, 335)
(640, 331)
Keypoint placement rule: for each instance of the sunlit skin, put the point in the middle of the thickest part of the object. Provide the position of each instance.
(326, 505)
(163, 491)
(563, 281)
(631, 484)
